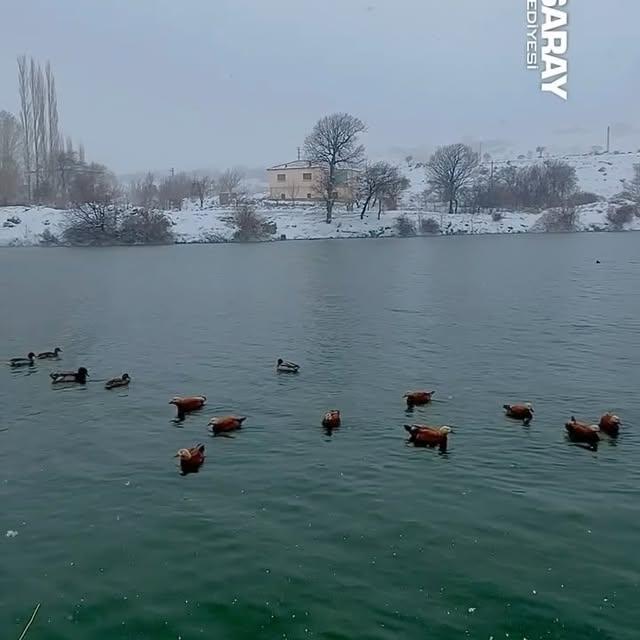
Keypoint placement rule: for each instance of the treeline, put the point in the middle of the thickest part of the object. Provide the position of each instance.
(38, 164)
(552, 183)
(456, 177)
(169, 192)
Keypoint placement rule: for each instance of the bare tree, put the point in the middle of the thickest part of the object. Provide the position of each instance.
(95, 217)
(449, 170)
(144, 193)
(173, 190)
(25, 118)
(229, 181)
(36, 88)
(201, 187)
(10, 139)
(392, 190)
(92, 183)
(52, 125)
(540, 150)
(333, 143)
(380, 182)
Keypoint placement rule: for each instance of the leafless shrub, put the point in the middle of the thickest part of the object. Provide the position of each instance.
(250, 225)
(405, 227)
(559, 220)
(429, 225)
(145, 227)
(632, 187)
(48, 239)
(580, 198)
(93, 224)
(617, 217)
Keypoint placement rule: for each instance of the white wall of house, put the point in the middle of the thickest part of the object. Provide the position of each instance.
(296, 182)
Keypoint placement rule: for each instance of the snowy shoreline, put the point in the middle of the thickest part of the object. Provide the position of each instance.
(210, 226)
(601, 174)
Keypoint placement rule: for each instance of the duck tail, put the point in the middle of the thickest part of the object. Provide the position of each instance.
(506, 407)
(53, 376)
(200, 447)
(408, 428)
(241, 419)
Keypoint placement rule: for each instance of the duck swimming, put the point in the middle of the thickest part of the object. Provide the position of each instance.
(48, 355)
(188, 404)
(610, 424)
(122, 381)
(331, 419)
(582, 432)
(522, 412)
(225, 424)
(418, 398)
(283, 366)
(79, 376)
(23, 362)
(191, 459)
(422, 435)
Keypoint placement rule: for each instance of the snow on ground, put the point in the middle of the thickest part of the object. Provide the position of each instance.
(602, 174)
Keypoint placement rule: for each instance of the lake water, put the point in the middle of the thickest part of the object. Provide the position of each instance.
(287, 532)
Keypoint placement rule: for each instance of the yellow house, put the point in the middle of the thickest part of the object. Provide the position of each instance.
(302, 179)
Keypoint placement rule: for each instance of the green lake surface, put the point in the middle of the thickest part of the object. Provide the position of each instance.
(288, 532)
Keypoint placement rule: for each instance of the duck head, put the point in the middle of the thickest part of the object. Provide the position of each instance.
(125, 376)
(183, 454)
(57, 350)
(445, 430)
(280, 361)
(31, 355)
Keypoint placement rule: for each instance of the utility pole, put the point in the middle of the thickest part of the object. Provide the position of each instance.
(298, 153)
(173, 173)
(608, 138)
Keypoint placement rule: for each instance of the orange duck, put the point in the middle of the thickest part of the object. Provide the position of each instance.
(331, 419)
(224, 424)
(191, 459)
(188, 404)
(582, 432)
(422, 435)
(610, 424)
(418, 398)
(522, 412)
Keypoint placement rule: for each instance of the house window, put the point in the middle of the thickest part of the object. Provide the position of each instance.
(306, 176)
(283, 196)
(309, 196)
(282, 177)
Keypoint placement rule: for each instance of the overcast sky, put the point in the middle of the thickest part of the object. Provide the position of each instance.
(209, 83)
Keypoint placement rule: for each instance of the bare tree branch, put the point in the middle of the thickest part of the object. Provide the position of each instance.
(450, 169)
(333, 143)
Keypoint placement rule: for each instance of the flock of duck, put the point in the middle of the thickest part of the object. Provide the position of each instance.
(420, 435)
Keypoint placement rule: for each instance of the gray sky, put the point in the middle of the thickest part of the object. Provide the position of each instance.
(209, 83)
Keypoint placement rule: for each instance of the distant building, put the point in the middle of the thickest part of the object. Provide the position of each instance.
(302, 179)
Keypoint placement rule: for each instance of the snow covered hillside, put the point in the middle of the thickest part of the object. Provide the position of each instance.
(602, 174)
